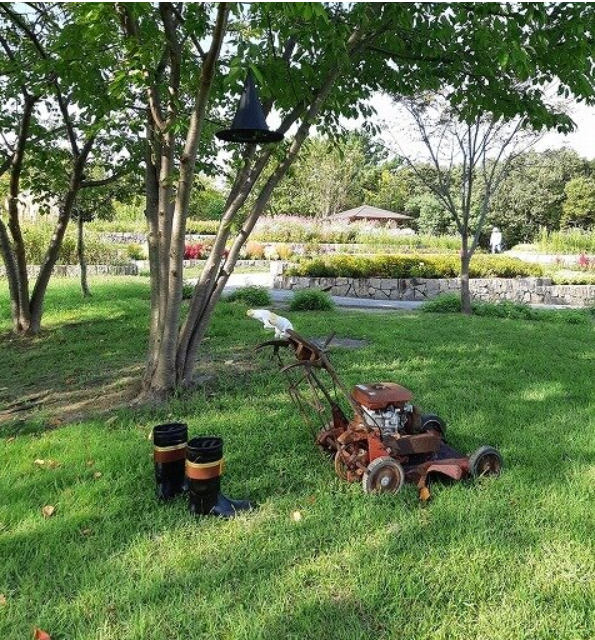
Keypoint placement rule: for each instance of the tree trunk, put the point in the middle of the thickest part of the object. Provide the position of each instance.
(14, 252)
(465, 291)
(152, 214)
(80, 247)
(51, 256)
(19, 307)
(170, 208)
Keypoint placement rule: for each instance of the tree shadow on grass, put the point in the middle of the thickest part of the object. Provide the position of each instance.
(68, 373)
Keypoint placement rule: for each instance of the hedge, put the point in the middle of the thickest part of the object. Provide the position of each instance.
(413, 266)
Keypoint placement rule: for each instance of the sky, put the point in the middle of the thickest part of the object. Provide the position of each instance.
(582, 140)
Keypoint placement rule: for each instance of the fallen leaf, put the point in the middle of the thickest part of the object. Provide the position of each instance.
(11, 439)
(49, 464)
(40, 634)
(311, 499)
(111, 420)
(90, 463)
(228, 362)
(86, 531)
(48, 511)
(2, 599)
(56, 422)
(296, 516)
(97, 474)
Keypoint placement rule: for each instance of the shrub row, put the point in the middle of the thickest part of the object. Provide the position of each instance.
(200, 227)
(570, 241)
(307, 300)
(412, 266)
(451, 303)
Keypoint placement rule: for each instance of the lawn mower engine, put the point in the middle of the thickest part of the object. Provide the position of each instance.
(387, 405)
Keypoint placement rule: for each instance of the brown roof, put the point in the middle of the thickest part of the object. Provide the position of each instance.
(366, 212)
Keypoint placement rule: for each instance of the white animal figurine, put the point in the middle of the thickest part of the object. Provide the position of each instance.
(271, 320)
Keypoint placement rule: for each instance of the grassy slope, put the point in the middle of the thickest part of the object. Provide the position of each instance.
(507, 558)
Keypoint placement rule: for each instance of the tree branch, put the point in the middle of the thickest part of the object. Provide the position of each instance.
(87, 184)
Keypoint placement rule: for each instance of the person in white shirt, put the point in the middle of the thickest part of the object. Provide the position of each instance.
(496, 240)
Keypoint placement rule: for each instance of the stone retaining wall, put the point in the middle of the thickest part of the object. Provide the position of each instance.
(73, 270)
(526, 290)
(265, 265)
(125, 237)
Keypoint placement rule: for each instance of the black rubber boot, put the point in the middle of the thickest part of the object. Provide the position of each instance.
(169, 453)
(204, 466)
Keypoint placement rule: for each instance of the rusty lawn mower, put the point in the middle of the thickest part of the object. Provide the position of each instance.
(387, 440)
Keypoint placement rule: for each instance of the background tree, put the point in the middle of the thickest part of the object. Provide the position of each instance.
(393, 187)
(206, 200)
(468, 161)
(533, 193)
(328, 177)
(579, 206)
(430, 214)
(96, 201)
(58, 107)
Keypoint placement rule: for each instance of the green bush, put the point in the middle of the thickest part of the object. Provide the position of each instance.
(566, 277)
(446, 303)
(135, 252)
(202, 227)
(311, 300)
(451, 303)
(251, 295)
(570, 241)
(413, 266)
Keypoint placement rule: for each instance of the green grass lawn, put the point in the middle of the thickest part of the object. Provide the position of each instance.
(505, 558)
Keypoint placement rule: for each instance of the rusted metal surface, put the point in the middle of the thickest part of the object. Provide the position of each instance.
(383, 437)
(381, 394)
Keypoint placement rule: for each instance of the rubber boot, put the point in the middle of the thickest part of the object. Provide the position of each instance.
(204, 466)
(169, 453)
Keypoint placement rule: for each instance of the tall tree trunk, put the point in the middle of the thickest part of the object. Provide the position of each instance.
(19, 309)
(80, 248)
(168, 256)
(153, 151)
(465, 291)
(14, 252)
